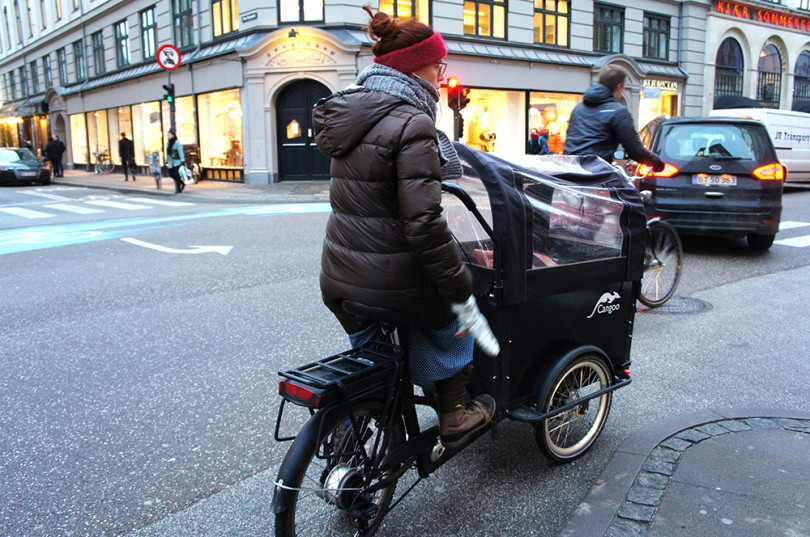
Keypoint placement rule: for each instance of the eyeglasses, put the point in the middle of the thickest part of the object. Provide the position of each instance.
(442, 68)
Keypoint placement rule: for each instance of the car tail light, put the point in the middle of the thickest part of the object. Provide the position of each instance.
(770, 172)
(299, 394)
(645, 170)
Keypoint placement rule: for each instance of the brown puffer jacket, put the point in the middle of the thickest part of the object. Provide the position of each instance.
(387, 243)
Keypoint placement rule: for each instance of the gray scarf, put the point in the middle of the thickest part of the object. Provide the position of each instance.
(419, 93)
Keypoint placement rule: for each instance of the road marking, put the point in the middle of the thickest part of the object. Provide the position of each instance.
(798, 242)
(25, 213)
(117, 205)
(77, 209)
(195, 249)
(160, 202)
(44, 195)
(792, 225)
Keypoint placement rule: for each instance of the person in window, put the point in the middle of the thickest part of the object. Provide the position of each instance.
(175, 159)
(387, 243)
(600, 123)
(126, 149)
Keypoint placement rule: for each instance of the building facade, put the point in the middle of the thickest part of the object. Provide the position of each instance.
(251, 71)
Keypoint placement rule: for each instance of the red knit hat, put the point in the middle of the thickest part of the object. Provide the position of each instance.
(410, 59)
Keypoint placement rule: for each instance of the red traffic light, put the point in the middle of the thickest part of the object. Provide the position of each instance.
(452, 82)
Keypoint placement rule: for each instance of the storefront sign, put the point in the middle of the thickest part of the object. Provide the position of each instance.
(652, 93)
(665, 85)
(785, 20)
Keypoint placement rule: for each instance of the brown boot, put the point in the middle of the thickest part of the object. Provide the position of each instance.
(459, 419)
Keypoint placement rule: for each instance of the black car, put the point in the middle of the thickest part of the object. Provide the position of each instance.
(722, 177)
(22, 166)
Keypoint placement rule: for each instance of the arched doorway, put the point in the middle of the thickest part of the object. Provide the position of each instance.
(298, 157)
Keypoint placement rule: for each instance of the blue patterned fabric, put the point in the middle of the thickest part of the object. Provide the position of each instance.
(432, 354)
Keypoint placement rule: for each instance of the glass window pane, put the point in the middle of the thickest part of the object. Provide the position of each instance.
(221, 129)
(562, 7)
(217, 19)
(538, 27)
(289, 11)
(78, 138)
(469, 17)
(147, 134)
(500, 22)
(226, 19)
(313, 10)
(551, 30)
(423, 11)
(387, 7)
(562, 31)
(484, 14)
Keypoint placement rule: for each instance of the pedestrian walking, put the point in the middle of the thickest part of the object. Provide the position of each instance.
(53, 150)
(174, 160)
(126, 149)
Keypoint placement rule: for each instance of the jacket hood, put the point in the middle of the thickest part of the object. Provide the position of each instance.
(343, 119)
(597, 94)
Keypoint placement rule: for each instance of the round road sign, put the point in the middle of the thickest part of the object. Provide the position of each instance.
(168, 57)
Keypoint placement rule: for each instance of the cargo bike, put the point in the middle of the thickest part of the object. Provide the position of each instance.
(556, 246)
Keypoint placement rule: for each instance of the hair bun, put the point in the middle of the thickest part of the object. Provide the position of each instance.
(381, 27)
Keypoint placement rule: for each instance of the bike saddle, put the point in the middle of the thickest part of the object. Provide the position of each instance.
(384, 316)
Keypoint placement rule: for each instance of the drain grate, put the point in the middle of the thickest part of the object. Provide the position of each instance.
(680, 305)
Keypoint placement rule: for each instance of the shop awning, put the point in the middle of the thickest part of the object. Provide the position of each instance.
(23, 108)
(203, 53)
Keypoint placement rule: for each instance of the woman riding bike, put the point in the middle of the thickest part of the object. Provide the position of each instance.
(387, 244)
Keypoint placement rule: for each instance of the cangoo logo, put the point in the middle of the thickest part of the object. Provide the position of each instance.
(605, 304)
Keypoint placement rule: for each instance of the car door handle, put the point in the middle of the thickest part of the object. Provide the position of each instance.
(714, 195)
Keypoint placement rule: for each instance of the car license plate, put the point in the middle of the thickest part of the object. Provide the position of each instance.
(714, 180)
(29, 174)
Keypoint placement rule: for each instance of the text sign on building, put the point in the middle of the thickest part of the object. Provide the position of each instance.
(250, 17)
(742, 11)
(168, 57)
(667, 85)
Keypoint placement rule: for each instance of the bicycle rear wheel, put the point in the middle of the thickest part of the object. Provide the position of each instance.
(105, 166)
(663, 260)
(320, 483)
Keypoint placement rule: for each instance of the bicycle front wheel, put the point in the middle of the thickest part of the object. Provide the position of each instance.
(322, 482)
(105, 166)
(663, 260)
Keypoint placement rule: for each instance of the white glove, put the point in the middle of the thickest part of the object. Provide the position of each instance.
(474, 323)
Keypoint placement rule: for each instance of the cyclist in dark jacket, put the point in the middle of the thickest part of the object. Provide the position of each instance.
(600, 123)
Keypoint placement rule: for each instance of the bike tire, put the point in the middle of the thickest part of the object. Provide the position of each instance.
(663, 261)
(569, 435)
(106, 166)
(322, 510)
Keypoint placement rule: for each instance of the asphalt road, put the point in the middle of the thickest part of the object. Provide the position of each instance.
(138, 386)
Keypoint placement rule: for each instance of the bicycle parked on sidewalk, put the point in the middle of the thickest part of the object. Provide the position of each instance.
(104, 163)
(557, 263)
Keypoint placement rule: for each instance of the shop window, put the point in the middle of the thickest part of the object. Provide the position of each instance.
(549, 114)
(35, 87)
(122, 44)
(769, 77)
(489, 120)
(98, 53)
(226, 16)
(608, 28)
(57, 9)
(728, 73)
(61, 62)
(300, 10)
(184, 119)
(801, 81)
(183, 23)
(98, 135)
(220, 116)
(120, 120)
(148, 33)
(78, 138)
(407, 9)
(485, 18)
(79, 61)
(656, 37)
(46, 71)
(551, 22)
(24, 81)
(147, 133)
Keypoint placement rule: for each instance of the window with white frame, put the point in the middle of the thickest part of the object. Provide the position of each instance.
(148, 33)
(122, 44)
(79, 61)
(98, 53)
(300, 10)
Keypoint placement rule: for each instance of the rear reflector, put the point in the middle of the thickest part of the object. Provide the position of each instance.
(645, 170)
(299, 394)
(770, 172)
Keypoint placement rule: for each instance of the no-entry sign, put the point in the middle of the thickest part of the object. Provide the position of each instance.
(168, 57)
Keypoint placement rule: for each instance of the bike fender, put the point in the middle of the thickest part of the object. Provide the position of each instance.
(551, 374)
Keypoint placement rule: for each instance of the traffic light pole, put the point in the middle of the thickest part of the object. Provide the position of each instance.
(458, 125)
(172, 121)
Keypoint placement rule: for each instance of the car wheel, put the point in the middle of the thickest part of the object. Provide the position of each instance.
(759, 242)
(46, 181)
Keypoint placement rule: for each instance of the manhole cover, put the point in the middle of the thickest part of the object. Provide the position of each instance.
(680, 304)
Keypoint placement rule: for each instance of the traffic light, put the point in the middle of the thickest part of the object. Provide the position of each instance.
(453, 94)
(169, 95)
(463, 100)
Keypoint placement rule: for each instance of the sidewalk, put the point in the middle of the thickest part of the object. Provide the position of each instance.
(730, 472)
(286, 191)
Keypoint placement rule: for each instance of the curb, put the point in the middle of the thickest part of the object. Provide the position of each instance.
(623, 500)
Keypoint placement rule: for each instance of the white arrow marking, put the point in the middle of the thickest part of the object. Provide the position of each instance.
(195, 249)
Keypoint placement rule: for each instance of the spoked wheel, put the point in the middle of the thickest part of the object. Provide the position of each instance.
(663, 261)
(106, 166)
(320, 488)
(567, 436)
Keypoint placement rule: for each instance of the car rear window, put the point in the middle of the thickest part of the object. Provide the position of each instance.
(704, 140)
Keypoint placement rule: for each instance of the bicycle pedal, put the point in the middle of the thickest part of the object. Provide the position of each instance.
(437, 451)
